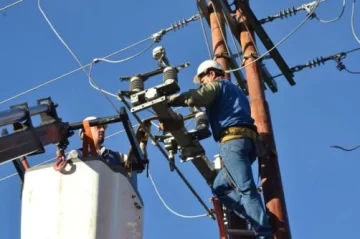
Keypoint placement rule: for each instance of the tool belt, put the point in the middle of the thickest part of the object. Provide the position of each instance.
(236, 132)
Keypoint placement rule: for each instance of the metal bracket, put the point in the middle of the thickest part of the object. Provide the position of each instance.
(168, 88)
(188, 142)
(188, 153)
(48, 113)
(149, 104)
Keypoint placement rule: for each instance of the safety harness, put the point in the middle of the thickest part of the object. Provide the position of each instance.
(237, 132)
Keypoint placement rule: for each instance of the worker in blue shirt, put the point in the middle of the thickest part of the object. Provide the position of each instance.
(228, 111)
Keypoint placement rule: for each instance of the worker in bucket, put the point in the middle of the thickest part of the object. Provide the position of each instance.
(228, 111)
(110, 157)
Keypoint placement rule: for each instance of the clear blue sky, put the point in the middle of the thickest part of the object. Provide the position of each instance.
(321, 110)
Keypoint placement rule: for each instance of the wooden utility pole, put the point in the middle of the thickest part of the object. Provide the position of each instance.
(270, 172)
(218, 42)
(218, 33)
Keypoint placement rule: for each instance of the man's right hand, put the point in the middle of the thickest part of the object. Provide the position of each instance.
(142, 135)
(171, 100)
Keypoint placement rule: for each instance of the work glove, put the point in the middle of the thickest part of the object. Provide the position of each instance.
(177, 100)
(171, 100)
(142, 135)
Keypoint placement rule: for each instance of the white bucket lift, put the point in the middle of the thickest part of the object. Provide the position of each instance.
(89, 200)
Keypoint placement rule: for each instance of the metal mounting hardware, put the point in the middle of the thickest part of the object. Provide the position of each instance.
(265, 39)
(155, 72)
(168, 88)
(209, 176)
(188, 142)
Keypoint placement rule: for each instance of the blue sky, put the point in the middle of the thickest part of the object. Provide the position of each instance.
(319, 111)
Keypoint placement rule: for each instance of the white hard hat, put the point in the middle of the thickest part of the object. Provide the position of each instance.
(204, 66)
(87, 118)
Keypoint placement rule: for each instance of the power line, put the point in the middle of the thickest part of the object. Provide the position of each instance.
(91, 82)
(308, 7)
(335, 19)
(167, 207)
(232, 37)
(125, 59)
(289, 12)
(156, 37)
(352, 22)
(281, 41)
(345, 68)
(11, 5)
(71, 72)
(204, 34)
(338, 57)
(353, 50)
(96, 60)
(352, 72)
(344, 149)
(221, 30)
(73, 55)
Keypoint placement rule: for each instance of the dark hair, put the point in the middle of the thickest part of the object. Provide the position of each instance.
(217, 71)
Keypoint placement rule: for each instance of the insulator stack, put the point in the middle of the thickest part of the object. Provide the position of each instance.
(170, 73)
(316, 62)
(287, 12)
(136, 84)
(282, 14)
(180, 24)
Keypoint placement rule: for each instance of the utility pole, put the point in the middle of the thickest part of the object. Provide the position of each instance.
(270, 171)
(217, 34)
(221, 54)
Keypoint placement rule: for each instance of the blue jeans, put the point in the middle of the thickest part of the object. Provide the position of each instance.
(234, 185)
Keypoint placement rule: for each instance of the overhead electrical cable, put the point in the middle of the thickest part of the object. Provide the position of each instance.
(280, 42)
(156, 37)
(352, 22)
(335, 19)
(74, 56)
(11, 5)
